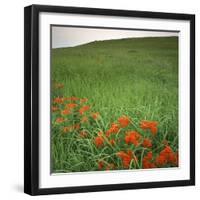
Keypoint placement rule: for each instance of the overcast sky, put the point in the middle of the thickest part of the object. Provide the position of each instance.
(73, 36)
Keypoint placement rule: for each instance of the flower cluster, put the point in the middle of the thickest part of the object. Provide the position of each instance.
(71, 114)
(129, 145)
(149, 125)
(166, 156)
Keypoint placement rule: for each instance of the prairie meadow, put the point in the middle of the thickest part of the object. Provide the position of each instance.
(114, 105)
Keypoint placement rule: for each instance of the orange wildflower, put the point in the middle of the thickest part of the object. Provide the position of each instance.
(108, 132)
(132, 137)
(99, 141)
(126, 157)
(167, 156)
(60, 120)
(147, 161)
(58, 100)
(66, 112)
(161, 160)
(71, 105)
(149, 125)
(54, 108)
(173, 158)
(74, 98)
(84, 109)
(112, 142)
(149, 156)
(95, 115)
(67, 129)
(147, 164)
(154, 130)
(124, 121)
(113, 129)
(84, 119)
(71, 98)
(147, 143)
(83, 134)
(71, 128)
(100, 165)
(167, 150)
(83, 100)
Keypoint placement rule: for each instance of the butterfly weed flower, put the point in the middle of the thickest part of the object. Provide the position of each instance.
(58, 100)
(83, 134)
(173, 159)
(74, 98)
(54, 108)
(71, 105)
(132, 137)
(84, 119)
(83, 100)
(147, 162)
(149, 156)
(149, 125)
(114, 128)
(100, 165)
(161, 160)
(60, 120)
(147, 143)
(67, 129)
(154, 130)
(167, 156)
(112, 142)
(126, 157)
(65, 112)
(84, 109)
(95, 115)
(124, 121)
(99, 140)
(170, 155)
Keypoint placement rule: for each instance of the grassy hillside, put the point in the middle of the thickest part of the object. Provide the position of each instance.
(135, 77)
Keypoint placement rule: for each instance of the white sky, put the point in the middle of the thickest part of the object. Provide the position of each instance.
(74, 36)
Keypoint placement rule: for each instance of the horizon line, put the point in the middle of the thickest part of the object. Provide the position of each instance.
(138, 37)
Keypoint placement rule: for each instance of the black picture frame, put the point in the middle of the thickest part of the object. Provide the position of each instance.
(31, 98)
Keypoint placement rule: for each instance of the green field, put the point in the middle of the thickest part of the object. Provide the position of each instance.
(134, 77)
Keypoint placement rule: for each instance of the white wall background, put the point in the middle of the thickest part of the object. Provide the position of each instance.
(11, 98)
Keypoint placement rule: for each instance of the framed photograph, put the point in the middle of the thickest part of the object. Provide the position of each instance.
(109, 99)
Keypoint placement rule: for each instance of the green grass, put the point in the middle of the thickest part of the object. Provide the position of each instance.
(137, 77)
